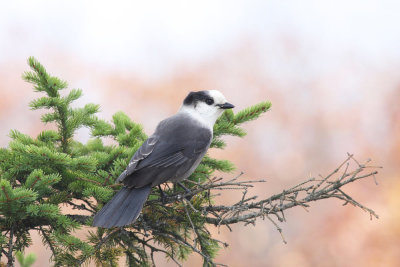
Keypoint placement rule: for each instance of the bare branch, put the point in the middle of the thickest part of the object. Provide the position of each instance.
(302, 195)
(247, 209)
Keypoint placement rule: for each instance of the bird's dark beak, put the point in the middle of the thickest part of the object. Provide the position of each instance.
(226, 106)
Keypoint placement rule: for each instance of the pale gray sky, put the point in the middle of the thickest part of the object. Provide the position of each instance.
(151, 36)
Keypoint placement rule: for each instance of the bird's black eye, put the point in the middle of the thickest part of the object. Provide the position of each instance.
(209, 101)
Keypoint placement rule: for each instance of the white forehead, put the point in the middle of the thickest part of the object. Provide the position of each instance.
(218, 97)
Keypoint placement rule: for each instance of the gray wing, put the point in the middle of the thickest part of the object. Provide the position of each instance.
(169, 153)
(145, 150)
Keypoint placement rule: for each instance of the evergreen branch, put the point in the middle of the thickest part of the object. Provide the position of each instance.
(89, 181)
(89, 204)
(3, 188)
(48, 241)
(80, 207)
(10, 258)
(151, 247)
(66, 118)
(274, 204)
(179, 240)
(246, 210)
(98, 246)
(51, 85)
(251, 113)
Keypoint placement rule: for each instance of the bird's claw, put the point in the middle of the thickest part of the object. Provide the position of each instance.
(163, 195)
(187, 191)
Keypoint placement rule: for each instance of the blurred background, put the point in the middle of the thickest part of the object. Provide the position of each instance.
(330, 69)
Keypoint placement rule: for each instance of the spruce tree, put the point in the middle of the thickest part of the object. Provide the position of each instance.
(39, 175)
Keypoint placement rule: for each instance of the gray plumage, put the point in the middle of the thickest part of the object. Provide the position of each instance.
(172, 153)
(123, 208)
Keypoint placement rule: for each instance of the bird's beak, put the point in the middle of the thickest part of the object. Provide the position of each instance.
(226, 106)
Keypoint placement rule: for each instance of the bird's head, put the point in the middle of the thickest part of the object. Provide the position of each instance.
(205, 106)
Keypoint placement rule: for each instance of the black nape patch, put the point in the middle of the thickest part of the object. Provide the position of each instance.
(194, 97)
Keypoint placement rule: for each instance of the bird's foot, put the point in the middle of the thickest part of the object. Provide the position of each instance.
(163, 195)
(187, 191)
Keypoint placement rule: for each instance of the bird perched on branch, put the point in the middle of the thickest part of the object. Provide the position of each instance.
(171, 154)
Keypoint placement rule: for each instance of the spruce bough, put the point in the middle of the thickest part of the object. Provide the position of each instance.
(40, 175)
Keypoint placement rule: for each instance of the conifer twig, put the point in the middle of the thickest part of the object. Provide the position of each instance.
(300, 195)
(247, 209)
(10, 258)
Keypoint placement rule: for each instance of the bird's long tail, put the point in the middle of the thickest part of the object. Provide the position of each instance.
(123, 208)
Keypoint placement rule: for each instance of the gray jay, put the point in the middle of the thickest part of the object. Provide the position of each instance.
(171, 154)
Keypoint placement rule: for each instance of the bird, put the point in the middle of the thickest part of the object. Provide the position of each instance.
(171, 154)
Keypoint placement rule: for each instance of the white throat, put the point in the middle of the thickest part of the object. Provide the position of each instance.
(204, 119)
